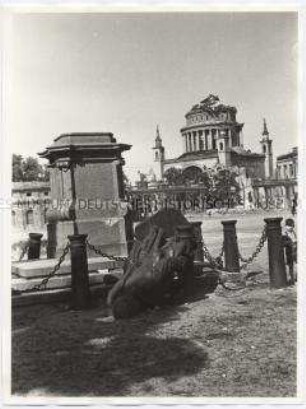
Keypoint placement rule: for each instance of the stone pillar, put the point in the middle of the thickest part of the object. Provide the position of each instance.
(189, 141)
(210, 139)
(277, 269)
(231, 253)
(186, 142)
(197, 139)
(194, 141)
(86, 185)
(205, 141)
(200, 135)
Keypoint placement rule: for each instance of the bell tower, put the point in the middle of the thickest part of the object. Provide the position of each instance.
(224, 152)
(159, 155)
(266, 144)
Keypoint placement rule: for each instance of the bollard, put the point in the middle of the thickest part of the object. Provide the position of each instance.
(277, 268)
(79, 272)
(199, 253)
(231, 253)
(185, 234)
(51, 240)
(34, 246)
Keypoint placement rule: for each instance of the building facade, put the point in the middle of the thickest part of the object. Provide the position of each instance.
(283, 188)
(29, 205)
(287, 165)
(212, 136)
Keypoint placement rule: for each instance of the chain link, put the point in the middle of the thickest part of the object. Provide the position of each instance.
(42, 286)
(24, 250)
(215, 262)
(100, 253)
(259, 247)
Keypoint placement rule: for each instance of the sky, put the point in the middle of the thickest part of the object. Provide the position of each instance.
(127, 73)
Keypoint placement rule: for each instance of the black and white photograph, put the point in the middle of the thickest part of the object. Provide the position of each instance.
(153, 207)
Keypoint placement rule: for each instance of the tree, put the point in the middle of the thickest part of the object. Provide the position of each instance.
(226, 188)
(174, 177)
(28, 170)
(17, 171)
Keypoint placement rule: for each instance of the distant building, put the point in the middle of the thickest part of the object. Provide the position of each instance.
(29, 202)
(283, 188)
(287, 165)
(212, 136)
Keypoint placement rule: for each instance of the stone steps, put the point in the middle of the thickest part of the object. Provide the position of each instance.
(55, 296)
(41, 268)
(56, 282)
(28, 274)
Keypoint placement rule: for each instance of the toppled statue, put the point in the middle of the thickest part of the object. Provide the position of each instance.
(159, 270)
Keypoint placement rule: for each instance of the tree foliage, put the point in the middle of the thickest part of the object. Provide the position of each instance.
(28, 170)
(219, 183)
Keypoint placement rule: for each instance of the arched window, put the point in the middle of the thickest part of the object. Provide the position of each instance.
(156, 155)
(264, 148)
(29, 217)
(221, 146)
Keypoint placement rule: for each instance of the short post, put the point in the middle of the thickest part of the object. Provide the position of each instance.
(231, 253)
(51, 240)
(185, 234)
(34, 246)
(199, 253)
(277, 268)
(79, 271)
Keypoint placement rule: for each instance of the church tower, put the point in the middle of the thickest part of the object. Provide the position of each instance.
(159, 155)
(266, 144)
(224, 151)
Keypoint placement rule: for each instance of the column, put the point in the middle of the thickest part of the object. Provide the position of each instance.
(185, 142)
(213, 133)
(230, 144)
(209, 136)
(196, 141)
(200, 133)
(190, 143)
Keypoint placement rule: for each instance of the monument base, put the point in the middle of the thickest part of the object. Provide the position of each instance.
(108, 234)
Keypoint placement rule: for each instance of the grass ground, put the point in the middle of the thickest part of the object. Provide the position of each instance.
(239, 343)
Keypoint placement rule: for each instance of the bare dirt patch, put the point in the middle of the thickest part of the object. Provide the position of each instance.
(228, 344)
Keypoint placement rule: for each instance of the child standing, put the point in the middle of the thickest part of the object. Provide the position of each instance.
(290, 246)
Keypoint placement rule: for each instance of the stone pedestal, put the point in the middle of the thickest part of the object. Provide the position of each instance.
(87, 190)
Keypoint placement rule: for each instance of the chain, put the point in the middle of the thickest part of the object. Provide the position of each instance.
(42, 286)
(100, 253)
(215, 262)
(260, 245)
(24, 250)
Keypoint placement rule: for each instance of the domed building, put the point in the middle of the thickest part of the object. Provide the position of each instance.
(211, 136)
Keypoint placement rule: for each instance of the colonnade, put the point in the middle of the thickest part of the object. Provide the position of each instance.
(202, 139)
(287, 170)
